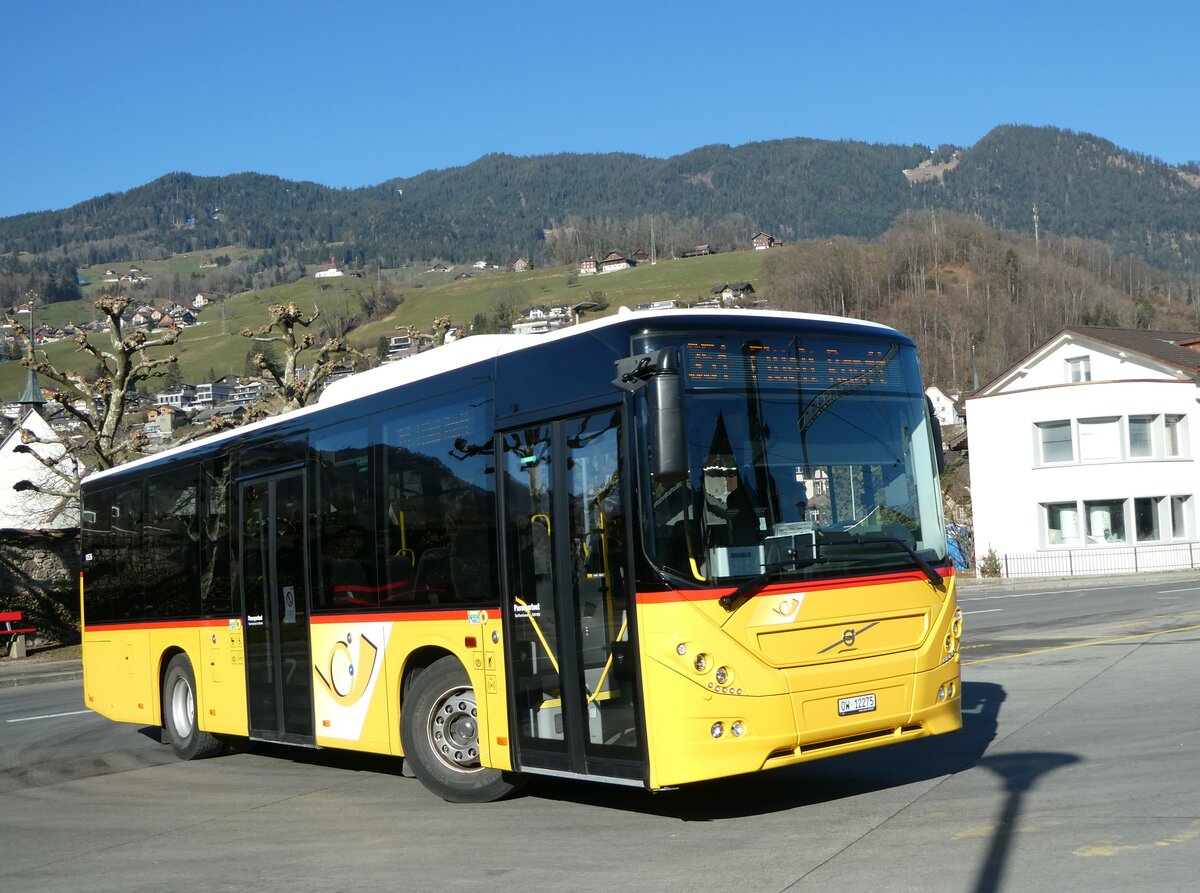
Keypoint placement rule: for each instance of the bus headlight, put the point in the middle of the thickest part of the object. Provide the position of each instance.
(723, 675)
(718, 729)
(701, 662)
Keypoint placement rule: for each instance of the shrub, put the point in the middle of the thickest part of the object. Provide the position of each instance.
(990, 565)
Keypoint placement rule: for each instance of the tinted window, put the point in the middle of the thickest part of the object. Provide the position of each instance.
(439, 531)
(171, 544)
(215, 597)
(345, 513)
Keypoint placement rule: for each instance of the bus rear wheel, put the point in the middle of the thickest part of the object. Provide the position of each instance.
(180, 720)
(439, 729)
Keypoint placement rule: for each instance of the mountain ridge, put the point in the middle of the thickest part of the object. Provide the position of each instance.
(501, 206)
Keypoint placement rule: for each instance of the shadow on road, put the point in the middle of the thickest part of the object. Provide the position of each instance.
(747, 795)
(1019, 772)
(810, 783)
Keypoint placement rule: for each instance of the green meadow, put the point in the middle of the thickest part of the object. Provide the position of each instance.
(215, 346)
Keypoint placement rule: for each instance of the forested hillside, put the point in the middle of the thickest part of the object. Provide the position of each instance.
(975, 299)
(560, 208)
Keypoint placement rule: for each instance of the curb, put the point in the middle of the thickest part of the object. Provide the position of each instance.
(34, 677)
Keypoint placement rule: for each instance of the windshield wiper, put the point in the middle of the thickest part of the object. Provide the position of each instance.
(732, 600)
(928, 569)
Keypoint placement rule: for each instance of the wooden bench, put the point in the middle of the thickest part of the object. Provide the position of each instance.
(12, 627)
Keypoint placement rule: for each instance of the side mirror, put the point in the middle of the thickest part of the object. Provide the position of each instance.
(666, 434)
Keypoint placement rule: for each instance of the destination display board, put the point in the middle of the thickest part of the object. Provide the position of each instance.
(818, 364)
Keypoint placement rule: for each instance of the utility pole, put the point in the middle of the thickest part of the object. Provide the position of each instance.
(1037, 244)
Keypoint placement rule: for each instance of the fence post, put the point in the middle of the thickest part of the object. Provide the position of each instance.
(1135, 564)
(1006, 564)
(1070, 562)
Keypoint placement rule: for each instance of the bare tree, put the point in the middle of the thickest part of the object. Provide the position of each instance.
(297, 386)
(96, 403)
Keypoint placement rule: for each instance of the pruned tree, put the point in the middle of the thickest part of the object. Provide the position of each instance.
(298, 385)
(441, 327)
(97, 402)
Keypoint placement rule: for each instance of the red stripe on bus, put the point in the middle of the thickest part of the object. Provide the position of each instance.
(160, 624)
(703, 595)
(396, 616)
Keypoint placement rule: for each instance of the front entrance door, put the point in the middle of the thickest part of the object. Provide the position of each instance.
(275, 592)
(568, 605)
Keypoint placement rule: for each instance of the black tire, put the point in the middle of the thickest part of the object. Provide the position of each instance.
(180, 716)
(440, 735)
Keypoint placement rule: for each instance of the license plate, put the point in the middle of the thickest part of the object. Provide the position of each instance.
(857, 704)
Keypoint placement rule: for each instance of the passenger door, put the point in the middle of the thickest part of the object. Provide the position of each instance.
(573, 688)
(274, 562)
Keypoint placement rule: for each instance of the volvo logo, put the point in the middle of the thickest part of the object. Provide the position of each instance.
(849, 637)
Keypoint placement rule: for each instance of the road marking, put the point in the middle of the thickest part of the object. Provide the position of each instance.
(1161, 632)
(1165, 591)
(984, 611)
(982, 598)
(1185, 836)
(48, 716)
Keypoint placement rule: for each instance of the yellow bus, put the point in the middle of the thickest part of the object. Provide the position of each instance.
(650, 550)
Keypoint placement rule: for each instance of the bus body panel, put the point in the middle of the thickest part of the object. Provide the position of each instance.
(359, 667)
(787, 705)
(124, 666)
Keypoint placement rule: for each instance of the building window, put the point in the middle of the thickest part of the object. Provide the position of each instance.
(1180, 509)
(1056, 442)
(1175, 432)
(1099, 440)
(1062, 524)
(1141, 437)
(1105, 521)
(1145, 518)
(1079, 369)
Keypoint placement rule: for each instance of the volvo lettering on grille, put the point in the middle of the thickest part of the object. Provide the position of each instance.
(849, 637)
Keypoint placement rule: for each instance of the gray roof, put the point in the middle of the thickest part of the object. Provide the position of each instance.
(1166, 347)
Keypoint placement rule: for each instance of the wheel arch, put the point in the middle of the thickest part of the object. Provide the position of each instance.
(164, 660)
(419, 659)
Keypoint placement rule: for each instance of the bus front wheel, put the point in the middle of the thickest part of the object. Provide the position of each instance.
(179, 713)
(439, 730)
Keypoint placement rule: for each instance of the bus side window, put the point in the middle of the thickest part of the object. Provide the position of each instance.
(439, 539)
(345, 518)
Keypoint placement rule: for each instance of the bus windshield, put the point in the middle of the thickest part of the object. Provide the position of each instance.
(807, 456)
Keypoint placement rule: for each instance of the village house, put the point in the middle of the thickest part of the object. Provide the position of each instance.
(1083, 454)
(946, 408)
(614, 261)
(522, 265)
(587, 266)
(731, 294)
(763, 241)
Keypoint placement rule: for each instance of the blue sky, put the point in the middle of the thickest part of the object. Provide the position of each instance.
(106, 96)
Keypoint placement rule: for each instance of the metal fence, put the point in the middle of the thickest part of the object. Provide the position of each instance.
(1093, 562)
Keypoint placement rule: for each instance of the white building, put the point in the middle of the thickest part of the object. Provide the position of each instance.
(945, 407)
(1083, 455)
(28, 508)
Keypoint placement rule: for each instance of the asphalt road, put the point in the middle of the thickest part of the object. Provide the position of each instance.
(1078, 768)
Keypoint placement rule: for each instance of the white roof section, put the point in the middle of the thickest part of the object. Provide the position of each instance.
(475, 349)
